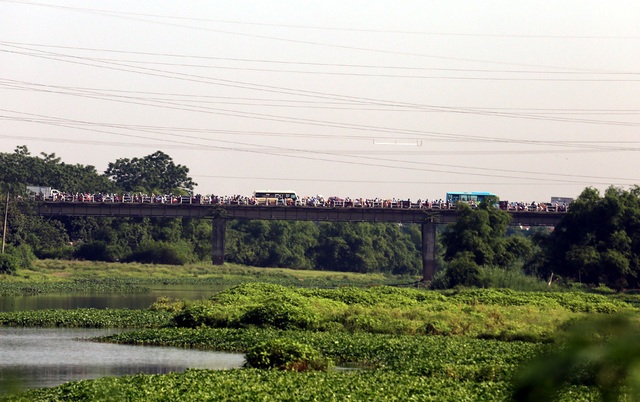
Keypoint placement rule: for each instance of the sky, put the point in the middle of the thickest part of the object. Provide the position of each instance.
(376, 98)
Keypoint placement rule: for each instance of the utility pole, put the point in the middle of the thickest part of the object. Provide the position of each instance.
(4, 228)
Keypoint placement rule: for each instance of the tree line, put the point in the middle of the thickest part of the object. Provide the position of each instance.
(598, 242)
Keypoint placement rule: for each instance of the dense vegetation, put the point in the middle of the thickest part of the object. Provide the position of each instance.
(404, 343)
(301, 245)
(57, 276)
(597, 243)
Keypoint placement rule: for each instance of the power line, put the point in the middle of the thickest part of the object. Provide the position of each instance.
(244, 101)
(136, 17)
(273, 150)
(324, 28)
(275, 89)
(367, 129)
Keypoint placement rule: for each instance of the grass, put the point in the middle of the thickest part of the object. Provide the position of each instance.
(59, 270)
(57, 276)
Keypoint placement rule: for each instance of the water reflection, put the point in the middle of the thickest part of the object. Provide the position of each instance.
(39, 357)
(69, 301)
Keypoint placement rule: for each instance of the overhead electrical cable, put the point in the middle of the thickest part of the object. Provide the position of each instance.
(278, 151)
(290, 40)
(244, 85)
(367, 129)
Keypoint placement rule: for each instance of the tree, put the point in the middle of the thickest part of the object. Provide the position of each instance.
(20, 169)
(479, 238)
(272, 243)
(598, 242)
(482, 232)
(155, 173)
(365, 247)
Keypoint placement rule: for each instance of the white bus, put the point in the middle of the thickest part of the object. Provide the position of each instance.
(275, 197)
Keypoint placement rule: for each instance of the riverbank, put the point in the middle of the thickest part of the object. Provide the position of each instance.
(58, 276)
(407, 343)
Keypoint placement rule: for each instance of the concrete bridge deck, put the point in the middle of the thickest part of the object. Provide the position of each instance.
(301, 213)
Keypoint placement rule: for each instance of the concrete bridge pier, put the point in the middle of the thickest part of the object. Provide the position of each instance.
(218, 232)
(428, 251)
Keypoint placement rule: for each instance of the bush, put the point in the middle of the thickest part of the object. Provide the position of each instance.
(8, 264)
(97, 251)
(601, 352)
(462, 271)
(510, 278)
(14, 258)
(55, 253)
(204, 313)
(280, 315)
(285, 354)
(153, 252)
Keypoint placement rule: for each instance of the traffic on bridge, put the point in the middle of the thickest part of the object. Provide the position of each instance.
(285, 198)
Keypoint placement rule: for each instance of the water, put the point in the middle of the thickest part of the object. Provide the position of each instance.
(102, 301)
(46, 357)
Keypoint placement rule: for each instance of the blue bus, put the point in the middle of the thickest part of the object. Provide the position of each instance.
(471, 197)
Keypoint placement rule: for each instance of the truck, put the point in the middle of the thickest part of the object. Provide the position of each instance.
(44, 193)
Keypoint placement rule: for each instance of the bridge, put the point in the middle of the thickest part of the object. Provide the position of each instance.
(219, 213)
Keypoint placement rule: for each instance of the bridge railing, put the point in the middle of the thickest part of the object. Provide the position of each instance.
(310, 202)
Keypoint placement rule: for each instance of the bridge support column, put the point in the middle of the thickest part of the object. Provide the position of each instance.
(218, 232)
(428, 250)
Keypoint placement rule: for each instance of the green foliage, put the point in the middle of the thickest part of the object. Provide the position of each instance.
(348, 247)
(599, 240)
(462, 270)
(441, 357)
(511, 277)
(20, 169)
(15, 258)
(280, 315)
(78, 285)
(273, 385)
(8, 264)
(285, 354)
(158, 252)
(482, 233)
(167, 304)
(86, 318)
(484, 313)
(47, 238)
(272, 243)
(601, 352)
(366, 247)
(155, 173)
(97, 251)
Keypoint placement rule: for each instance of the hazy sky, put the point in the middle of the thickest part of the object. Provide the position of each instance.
(349, 98)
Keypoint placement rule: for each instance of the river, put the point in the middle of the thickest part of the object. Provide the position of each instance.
(104, 300)
(45, 357)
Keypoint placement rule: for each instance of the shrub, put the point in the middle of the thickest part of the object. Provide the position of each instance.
(204, 313)
(167, 304)
(8, 264)
(280, 315)
(437, 328)
(153, 252)
(510, 278)
(55, 253)
(601, 352)
(462, 271)
(97, 251)
(285, 354)
(22, 254)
